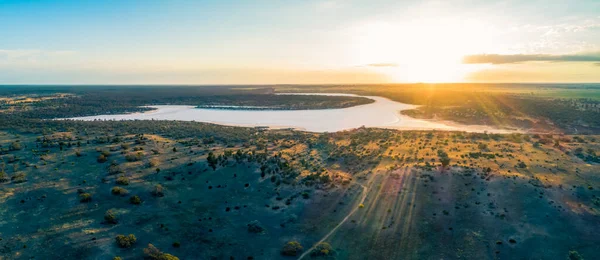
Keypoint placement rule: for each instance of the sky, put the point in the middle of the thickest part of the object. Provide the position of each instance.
(298, 41)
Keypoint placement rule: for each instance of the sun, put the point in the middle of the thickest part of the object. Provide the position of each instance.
(419, 51)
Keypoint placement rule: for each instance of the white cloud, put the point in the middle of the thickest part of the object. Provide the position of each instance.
(328, 5)
(23, 57)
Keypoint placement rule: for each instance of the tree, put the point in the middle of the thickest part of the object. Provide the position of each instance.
(135, 200)
(445, 162)
(153, 253)
(126, 241)
(557, 143)
(292, 248)
(110, 217)
(158, 191)
(102, 158)
(322, 249)
(212, 160)
(482, 146)
(3, 177)
(85, 197)
(444, 159)
(14, 146)
(574, 255)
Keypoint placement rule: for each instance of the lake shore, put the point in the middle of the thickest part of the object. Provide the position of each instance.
(382, 113)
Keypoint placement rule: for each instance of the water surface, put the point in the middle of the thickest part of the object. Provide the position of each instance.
(383, 113)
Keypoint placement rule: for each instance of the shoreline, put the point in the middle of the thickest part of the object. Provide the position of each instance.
(381, 113)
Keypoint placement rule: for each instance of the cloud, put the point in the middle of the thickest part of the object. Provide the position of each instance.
(516, 58)
(382, 65)
(328, 5)
(117, 75)
(34, 58)
(16, 53)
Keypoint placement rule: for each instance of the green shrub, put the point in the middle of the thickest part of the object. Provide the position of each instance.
(135, 200)
(125, 241)
(3, 177)
(19, 178)
(132, 157)
(114, 169)
(153, 163)
(85, 197)
(116, 258)
(151, 252)
(574, 255)
(14, 146)
(291, 248)
(110, 217)
(102, 158)
(122, 180)
(322, 249)
(305, 195)
(158, 191)
(255, 227)
(119, 191)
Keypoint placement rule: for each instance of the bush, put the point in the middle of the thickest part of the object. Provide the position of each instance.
(102, 158)
(15, 146)
(322, 249)
(291, 248)
(574, 255)
(119, 191)
(305, 195)
(114, 169)
(122, 180)
(132, 157)
(151, 252)
(255, 227)
(3, 177)
(116, 258)
(135, 200)
(125, 241)
(153, 163)
(158, 191)
(110, 217)
(85, 197)
(19, 178)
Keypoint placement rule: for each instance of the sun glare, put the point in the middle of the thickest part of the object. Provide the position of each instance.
(420, 51)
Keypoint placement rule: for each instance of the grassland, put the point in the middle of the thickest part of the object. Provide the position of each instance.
(557, 108)
(189, 190)
(499, 196)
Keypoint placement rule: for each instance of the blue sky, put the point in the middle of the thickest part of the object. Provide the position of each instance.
(335, 41)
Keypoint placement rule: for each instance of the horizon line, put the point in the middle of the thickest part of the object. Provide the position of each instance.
(283, 84)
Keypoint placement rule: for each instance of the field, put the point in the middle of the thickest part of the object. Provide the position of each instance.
(190, 190)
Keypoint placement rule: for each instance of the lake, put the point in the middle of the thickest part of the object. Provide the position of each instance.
(382, 113)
